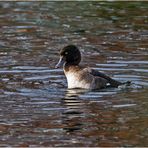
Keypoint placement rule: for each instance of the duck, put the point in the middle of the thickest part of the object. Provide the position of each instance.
(79, 76)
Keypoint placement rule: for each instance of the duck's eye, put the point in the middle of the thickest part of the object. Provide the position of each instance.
(66, 53)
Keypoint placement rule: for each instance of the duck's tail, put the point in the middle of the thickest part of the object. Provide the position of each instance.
(115, 83)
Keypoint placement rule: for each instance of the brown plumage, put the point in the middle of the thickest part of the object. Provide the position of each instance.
(81, 77)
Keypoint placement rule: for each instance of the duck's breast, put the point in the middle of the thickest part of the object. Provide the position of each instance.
(79, 80)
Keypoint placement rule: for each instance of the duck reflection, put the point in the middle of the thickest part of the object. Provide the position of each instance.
(72, 116)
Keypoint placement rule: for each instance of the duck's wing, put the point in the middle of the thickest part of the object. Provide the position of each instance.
(112, 82)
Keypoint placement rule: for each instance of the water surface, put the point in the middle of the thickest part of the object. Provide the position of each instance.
(37, 109)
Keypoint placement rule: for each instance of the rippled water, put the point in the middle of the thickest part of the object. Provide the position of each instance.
(36, 108)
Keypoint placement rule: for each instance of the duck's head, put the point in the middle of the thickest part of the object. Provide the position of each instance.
(69, 55)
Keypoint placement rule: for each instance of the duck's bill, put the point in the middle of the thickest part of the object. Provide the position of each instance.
(60, 63)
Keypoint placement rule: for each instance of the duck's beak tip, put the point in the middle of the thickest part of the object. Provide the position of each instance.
(60, 63)
(56, 66)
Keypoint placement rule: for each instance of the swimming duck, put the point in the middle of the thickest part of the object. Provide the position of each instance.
(82, 77)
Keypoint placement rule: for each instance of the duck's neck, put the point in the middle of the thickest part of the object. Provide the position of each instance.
(69, 66)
